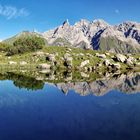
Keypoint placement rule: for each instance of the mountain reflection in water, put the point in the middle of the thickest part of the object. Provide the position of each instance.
(32, 106)
(82, 83)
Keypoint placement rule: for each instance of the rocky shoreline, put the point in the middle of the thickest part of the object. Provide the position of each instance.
(107, 61)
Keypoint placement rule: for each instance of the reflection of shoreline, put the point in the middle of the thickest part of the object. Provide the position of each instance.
(128, 84)
(83, 83)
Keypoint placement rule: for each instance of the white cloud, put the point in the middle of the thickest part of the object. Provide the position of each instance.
(117, 11)
(12, 12)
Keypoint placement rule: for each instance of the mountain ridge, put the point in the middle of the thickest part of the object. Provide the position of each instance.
(96, 35)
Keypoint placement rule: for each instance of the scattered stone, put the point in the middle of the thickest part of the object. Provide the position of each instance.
(129, 62)
(107, 53)
(67, 55)
(84, 75)
(89, 55)
(69, 49)
(138, 64)
(84, 63)
(121, 58)
(81, 54)
(45, 71)
(99, 64)
(107, 62)
(44, 66)
(51, 57)
(101, 55)
(12, 63)
(39, 54)
(23, 63)
(116, 66)
(68, 60)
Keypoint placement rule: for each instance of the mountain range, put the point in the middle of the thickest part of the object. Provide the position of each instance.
(96, 35)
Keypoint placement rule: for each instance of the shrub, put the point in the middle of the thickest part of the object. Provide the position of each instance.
(29, 44)
(4, 47)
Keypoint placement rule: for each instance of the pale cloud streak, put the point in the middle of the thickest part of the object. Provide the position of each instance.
(11, 12)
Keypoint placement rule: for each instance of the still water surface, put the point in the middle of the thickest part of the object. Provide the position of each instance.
(49, 114)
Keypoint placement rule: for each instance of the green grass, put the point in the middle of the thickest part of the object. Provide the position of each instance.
(78, 55)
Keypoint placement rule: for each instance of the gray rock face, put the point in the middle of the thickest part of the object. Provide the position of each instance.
(97, 34)
(130, 29)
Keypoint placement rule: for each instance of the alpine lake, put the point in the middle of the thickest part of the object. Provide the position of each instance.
(69, 105)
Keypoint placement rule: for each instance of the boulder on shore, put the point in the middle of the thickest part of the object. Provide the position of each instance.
(121, 58)
(23, 63)
(12, 63)
(44, 66)
(101, 55)
(84, 63)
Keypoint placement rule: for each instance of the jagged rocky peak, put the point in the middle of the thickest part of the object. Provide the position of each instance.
(66, 23)
(100, 23)
(82, 23)
(96, 34)
(130, 30)
(125, 26)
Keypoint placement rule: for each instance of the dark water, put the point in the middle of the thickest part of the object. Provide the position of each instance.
(48, 114)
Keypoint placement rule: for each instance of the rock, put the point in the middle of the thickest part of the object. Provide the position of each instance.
(45, 71)
(107, 62)
(51, 57)
(84, 75)
(81, 54)
(23, 63)
(44, 66)
(138, 64)
(88, 69)
(121, 58)
(89, 55)
(69, 49)
(12, 63)
(99, 64)
(67, 55)
(84, 63)
(107, 53)
(68, 60)
(101, 55)
(40, 54)
(130, 61)
(116, 66)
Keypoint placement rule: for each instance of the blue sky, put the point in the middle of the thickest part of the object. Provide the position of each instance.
(18, 15)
